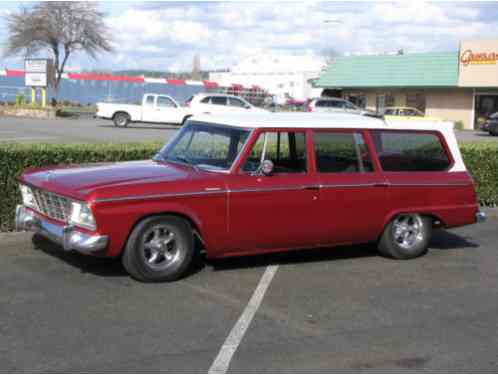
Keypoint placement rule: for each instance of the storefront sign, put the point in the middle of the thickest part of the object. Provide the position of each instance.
(37, 72)
(469, 57)
(478, 63)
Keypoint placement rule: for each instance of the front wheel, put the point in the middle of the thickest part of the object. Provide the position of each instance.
(407, 236)
(121, 119)
(160, 248)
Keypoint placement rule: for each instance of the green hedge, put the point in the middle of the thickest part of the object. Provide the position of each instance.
(15, 158)
(481, 160)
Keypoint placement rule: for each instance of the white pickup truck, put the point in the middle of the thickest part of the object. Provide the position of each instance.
(155, 108)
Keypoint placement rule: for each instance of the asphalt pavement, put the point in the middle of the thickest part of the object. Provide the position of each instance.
(341, 309)
(89, 130)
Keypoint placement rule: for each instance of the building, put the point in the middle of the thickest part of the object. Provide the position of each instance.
(280, 75)
(457, 86)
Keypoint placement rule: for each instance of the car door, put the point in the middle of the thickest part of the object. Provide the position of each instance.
(276, 211)
(166, 111)
(353, 193)
(217, 104)
(237, 105)
(149, 108)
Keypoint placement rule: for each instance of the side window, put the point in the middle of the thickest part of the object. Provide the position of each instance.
(287, 151)
(149, 100)
(163, 101)
(341, 152)
(349, 105)
(219, 100)
(234, 102)
(321, 103)
(410, 151)
(206, 100)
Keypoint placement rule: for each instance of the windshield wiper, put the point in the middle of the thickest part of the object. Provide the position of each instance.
(186, 160)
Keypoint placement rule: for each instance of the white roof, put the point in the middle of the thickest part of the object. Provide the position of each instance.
(318, 120)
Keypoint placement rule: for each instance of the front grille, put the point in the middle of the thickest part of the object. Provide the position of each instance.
(52, 205)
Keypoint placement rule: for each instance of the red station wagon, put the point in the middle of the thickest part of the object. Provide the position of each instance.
(258, 183)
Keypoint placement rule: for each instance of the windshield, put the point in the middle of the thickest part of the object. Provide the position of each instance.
(205, 146)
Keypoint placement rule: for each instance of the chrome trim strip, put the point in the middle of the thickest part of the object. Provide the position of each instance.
(159, 196)
(433, 184)
(331, 186)
(208, 191)
(265, 190)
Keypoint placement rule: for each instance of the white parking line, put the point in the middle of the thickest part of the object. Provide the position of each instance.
(222, 361)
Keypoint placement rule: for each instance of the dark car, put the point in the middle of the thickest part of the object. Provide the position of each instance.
(491, 124)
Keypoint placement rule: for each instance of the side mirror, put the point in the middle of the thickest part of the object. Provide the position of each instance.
(266, 167)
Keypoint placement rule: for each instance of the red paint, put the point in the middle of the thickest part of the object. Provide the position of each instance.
(14, 73)
(210, 84)
(257, 214)
(104, 77)
(175, 82)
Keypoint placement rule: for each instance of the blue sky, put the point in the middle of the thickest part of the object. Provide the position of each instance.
(166, 35)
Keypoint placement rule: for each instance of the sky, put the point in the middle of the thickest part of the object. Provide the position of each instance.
(165, 36)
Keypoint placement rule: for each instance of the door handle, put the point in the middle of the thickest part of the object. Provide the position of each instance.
(312, 187)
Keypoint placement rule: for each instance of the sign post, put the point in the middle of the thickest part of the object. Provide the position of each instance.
(37, 74)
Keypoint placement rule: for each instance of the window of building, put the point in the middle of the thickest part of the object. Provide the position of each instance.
(287, 151)
(341, 152)
(416, 100)
(410, 151)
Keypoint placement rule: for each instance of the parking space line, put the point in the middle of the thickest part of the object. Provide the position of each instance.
(222, 361)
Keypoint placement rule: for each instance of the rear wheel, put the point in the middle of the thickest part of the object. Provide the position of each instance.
(121, 119)
(406, 236)
(160, 248)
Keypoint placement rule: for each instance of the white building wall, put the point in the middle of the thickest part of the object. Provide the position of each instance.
(278, 75)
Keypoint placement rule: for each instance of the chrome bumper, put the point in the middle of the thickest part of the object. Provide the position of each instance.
(481, 216)
(67, 236)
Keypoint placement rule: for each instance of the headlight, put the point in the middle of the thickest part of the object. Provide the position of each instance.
(81, 215)
(28, 199)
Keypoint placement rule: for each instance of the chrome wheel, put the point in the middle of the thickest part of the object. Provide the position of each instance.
(160, 248)
(408, 231)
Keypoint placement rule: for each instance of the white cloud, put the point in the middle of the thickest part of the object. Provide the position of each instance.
(165, 36)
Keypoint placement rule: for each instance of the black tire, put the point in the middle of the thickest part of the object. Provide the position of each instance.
(392, 244)
(494, 132)
(139, 249)
(121, 119)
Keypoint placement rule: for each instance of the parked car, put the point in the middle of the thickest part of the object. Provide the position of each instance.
(333, 105)
(205, 103)
(491, 124)
(258, 183)
(407, 113)
(155, 108)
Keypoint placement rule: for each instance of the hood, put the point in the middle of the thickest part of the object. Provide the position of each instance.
(80, 181)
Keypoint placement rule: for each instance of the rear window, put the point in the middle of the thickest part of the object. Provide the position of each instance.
(410, 151)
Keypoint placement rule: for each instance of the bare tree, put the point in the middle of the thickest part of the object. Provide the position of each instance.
(60, 27)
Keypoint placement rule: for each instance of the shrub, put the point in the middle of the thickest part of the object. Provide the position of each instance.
(20, 99)
(15, 158)
(481, 160)
(459, 125)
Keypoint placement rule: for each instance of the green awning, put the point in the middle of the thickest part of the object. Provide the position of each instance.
(411, 70)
